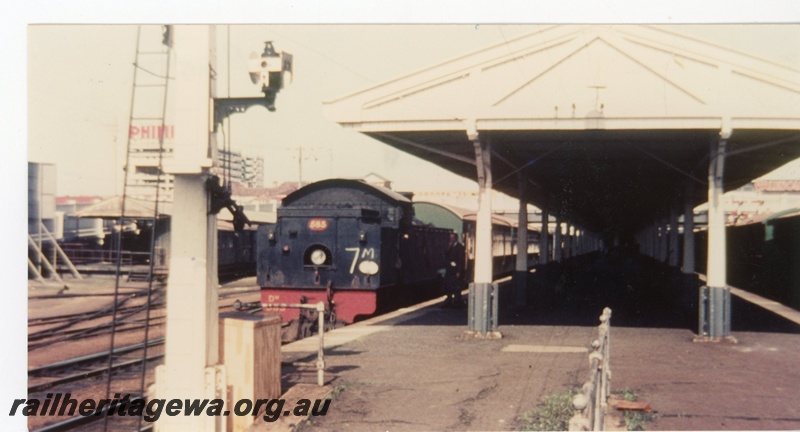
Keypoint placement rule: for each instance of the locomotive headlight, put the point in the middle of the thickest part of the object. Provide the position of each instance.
(369, 268)
(318, 257)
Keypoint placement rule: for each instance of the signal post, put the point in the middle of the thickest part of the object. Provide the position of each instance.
(191, 369)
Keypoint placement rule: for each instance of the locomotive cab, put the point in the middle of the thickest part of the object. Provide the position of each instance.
(349, 244)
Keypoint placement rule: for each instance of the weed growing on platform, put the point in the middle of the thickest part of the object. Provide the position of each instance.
(635, 420)
(553, 414)
(340, 388)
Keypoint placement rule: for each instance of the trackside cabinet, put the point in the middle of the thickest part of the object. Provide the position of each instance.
(250, 349)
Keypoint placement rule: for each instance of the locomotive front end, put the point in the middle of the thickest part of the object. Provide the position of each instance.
(332, 256)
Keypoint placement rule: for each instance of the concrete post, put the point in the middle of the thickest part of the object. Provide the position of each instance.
(190, 369)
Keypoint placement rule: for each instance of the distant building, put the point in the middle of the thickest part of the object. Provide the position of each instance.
(73, 228)
(377, 180)
(260, 204)
(41, 198)
(244, 169)
(468, 199)
(751, 202)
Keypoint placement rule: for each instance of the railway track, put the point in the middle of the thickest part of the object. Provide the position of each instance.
(84, 375)
(79, 368)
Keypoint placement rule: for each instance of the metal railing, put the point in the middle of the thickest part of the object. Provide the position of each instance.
(80, 255)
(591, 402)
(320, 308)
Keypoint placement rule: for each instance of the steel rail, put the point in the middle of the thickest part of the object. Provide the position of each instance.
(86, 374)
(91, 357)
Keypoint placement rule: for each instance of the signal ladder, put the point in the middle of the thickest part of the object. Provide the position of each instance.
(145, 189)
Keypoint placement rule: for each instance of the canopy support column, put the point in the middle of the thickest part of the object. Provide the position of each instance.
(568, 240)
(688, 232)
(483, 294)
(715, 297)
(544, 238)
(521, 269)
(557, 242)
(663, 242)
(673, 237)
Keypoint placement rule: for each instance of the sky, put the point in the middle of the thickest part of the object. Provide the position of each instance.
(79, 121)
(66, 90)
(78, 111)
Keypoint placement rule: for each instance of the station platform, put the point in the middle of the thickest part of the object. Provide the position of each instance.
(414, 369)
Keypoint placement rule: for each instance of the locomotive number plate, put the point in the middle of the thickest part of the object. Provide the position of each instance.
(318, 224)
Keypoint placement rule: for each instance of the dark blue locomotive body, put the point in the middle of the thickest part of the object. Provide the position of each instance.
(352, 245)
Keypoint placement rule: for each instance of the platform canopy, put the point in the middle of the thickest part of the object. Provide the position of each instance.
(111, 208)
(608, 123)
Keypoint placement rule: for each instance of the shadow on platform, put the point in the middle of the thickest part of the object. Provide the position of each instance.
(640, 291)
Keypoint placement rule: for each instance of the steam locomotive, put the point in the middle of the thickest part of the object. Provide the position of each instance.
(354, 246)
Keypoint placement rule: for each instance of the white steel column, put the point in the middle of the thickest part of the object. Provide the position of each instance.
(673, 237)
(688, 233)
(569, 239)
(663, 240)
(576, 242)
(643, 242)
(716, 219)
(557, 253)
(544, 238)
(483, 296)
(521, 269)
(483, 229)
(715, 300)
(656, 245)
(190, 368)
